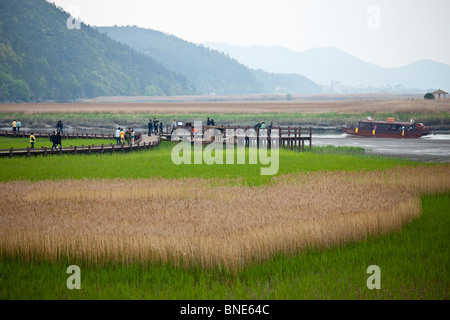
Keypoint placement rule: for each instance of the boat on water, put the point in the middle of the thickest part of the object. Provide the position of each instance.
(387, 129)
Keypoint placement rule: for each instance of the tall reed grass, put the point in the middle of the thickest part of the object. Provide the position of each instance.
(187, 222)
(106, 116)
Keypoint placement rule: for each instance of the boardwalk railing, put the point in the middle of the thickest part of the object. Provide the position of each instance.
(47, 134)
(287, 137)
(103, 148)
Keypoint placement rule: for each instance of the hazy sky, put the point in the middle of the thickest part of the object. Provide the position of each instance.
(389, 33)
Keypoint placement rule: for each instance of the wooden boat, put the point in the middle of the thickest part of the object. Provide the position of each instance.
(387, 129)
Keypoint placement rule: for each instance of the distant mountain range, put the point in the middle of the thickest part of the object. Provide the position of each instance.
(42, 59)
(209, 71)
(329, 65)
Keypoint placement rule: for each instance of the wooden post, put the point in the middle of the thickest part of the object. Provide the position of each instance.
(28, 152)
(310, 137)
(75, 150)
(302, 139)
(257, 138)
(291, 142)
(280, 141)
(11, 152)
(296, 139)
(288, 142)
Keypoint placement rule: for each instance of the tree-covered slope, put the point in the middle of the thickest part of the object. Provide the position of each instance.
(286, 83)
(208, 70)
(42, 59)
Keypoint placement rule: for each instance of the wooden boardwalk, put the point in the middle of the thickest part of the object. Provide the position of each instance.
(143, 142)
(286, 137)
(64, 136)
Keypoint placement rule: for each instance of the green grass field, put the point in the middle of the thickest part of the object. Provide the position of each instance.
(414, 262)
(18, 143)
(157, 163)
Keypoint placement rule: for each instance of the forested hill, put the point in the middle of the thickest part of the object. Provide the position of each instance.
(41, 59)
(208, 70)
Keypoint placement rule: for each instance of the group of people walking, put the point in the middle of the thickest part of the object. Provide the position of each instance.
(129, 136)
(262, 125)
(16, 125)
(262, 128)
(154, 126)
(55, 139)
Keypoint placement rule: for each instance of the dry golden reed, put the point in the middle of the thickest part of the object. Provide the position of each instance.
(309, 104)
(189, 222)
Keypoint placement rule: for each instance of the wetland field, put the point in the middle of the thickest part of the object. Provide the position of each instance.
(141, 227)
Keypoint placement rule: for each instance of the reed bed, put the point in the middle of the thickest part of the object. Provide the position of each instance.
(187, 222)
(313, 104)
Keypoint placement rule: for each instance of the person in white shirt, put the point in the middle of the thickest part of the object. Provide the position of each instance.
(117, 136)
(174, 125)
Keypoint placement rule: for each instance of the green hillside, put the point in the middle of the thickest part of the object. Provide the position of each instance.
(42, 59)
(208, 70)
